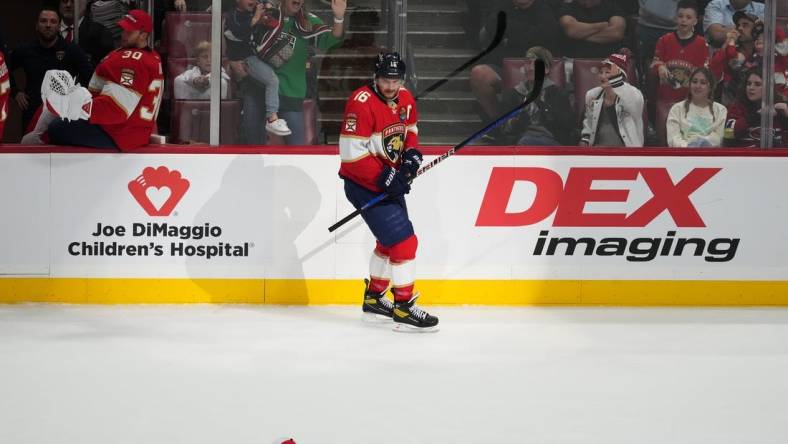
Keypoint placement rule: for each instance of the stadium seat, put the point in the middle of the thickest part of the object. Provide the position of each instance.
(191, 121)
(585, 77)
(183, 31)
(512, 75)
(661, 120)
(782, 22)
(310, 125)
(175, 66)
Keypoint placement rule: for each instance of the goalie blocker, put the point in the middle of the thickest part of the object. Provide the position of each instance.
(121, 106)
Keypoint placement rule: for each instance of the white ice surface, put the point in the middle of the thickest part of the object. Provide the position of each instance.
(249, 374)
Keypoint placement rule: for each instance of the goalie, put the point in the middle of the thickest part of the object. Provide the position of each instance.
(120, 109)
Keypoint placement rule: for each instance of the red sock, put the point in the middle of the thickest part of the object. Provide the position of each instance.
(403, 294)
(378, 285)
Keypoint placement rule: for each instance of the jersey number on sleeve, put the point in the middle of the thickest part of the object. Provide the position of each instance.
(362, 96)
(148, 113)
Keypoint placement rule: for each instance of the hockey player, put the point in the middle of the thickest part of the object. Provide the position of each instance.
(377, 145)
(5, 91)
(125, 94)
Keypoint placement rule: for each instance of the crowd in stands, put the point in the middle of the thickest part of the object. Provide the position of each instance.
(265, 53)
(681, 73)
(650, 72)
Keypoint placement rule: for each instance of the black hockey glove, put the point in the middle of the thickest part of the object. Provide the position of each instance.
(393, 182)
(411, 161)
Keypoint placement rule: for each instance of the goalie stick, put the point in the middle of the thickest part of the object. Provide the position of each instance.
(532, 95)
(499, 31)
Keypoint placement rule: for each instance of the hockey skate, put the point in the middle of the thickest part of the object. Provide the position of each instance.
(412, 319)
(376, 307)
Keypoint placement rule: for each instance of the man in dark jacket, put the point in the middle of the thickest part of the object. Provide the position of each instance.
(93, 38)
(528, 23)
(545, 122)
(48, 51)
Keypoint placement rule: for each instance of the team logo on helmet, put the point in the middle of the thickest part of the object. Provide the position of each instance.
(389, 64)
(394, 141)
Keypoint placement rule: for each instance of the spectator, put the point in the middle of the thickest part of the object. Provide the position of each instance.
(194, 83)
(718, 19)
(679, 53)
(780, 57)
(93, 38)
(529, 23)
(655, 19)
(48, 51)
(109, 12)
(743, 127)
(239, 34)
(592, 28)
(734, 60)
(697, 121)
(5, 91)
(544, 122)
(289, 54)
(614, 110)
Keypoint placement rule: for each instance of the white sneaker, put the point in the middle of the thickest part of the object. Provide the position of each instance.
(278, 127)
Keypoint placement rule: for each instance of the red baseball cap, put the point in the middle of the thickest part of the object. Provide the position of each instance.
(137, 20)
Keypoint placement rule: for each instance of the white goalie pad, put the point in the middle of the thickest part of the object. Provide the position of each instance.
(65, 99)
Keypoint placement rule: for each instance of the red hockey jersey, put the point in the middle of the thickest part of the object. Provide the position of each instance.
(5, 92)
(375, 132)
(127, 88)
(680, 62)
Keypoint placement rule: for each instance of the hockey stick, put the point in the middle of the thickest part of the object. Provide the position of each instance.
(499, 30)
(537, 88)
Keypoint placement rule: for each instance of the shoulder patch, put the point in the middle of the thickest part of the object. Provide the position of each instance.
(127, 77)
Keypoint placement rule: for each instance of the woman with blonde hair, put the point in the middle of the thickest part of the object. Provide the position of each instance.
(698, 120)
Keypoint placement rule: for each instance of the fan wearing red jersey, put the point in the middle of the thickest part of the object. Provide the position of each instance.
(126, 92)
(5, 88)
(377, 146)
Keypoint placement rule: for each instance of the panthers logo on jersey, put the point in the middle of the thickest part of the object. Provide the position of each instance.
(394, 140)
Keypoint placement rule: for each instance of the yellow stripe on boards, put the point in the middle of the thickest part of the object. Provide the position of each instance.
(440, 292)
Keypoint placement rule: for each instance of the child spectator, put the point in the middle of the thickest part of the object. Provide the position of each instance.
(614, 110)
(194, 83)
(697, 121)
(679, 53)
(239, 34)
(743, 127)
(544, 122)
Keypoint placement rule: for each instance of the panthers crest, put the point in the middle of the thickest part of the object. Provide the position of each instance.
(394, 140)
